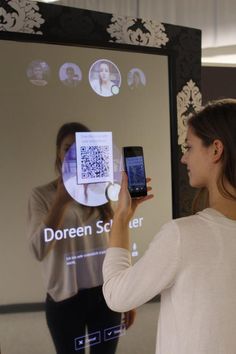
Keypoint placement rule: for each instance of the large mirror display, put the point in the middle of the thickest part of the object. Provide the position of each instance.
(67, 111)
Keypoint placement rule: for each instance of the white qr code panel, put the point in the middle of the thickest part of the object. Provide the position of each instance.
(94, 155)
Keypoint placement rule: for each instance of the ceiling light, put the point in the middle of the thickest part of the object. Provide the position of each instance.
(220, 60)
(47, 1)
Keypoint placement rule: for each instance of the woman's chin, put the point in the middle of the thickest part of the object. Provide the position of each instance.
(191, 181)
(194, 184)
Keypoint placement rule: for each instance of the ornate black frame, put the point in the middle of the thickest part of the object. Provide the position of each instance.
(24, 20)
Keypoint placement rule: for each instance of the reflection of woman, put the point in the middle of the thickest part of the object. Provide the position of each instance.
(63, 238)
(103, 85)
(191, 261)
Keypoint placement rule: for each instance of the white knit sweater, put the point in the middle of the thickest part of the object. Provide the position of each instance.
(192, 263)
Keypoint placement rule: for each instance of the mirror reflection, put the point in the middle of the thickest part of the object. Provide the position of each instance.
(54, 249)
(62, 238)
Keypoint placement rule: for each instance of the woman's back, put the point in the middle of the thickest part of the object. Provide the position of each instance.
(198, 312)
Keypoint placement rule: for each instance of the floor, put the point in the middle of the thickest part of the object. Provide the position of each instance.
(27, 333)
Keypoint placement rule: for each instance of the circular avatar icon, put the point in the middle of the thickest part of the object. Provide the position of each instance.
(38, 73)
(105, 78)
(136, 78)
(115, 89)
(113, 190)
(70, 74)
(91, 194)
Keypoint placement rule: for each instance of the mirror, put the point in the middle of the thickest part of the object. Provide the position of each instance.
(124, 96)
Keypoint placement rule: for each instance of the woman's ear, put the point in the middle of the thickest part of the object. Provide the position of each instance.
(218, 149)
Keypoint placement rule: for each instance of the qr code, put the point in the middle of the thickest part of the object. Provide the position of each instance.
(94, 161)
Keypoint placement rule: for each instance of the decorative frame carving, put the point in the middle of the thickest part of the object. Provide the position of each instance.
(32, 21)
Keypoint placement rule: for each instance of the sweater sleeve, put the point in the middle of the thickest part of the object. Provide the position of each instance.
(126, 286)
(37, 210)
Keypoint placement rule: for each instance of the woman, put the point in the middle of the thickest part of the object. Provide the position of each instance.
(62, 238)
(191, 261)
(103, 86)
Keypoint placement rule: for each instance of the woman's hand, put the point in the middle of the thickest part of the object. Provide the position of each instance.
(119, 236)
(54, 218)
(62, 196)
(129, 318)
(126, 205)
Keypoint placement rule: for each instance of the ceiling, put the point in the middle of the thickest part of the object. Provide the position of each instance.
(216, 19)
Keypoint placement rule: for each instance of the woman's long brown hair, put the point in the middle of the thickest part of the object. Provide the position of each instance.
(217, 120)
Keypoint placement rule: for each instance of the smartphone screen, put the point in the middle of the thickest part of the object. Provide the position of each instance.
(135, 169)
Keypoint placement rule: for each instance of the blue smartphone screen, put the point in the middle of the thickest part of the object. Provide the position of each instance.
(136, 173)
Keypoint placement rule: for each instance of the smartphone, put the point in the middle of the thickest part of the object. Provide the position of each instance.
(135, 169)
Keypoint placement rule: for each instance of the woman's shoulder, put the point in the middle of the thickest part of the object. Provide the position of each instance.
(207, 216)
(95, 83)
(207, 219)
(45, 189)
(183, 225)
(190, 224)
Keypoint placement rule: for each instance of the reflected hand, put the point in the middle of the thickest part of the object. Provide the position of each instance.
(54, 218)
(62, 196)
(129, 318)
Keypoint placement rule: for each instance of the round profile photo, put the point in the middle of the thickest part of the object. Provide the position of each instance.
(38, 73)
(105, 78)
(136, 78)
(70, 74)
